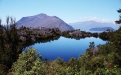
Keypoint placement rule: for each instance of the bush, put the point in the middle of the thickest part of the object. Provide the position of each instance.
(28, 63)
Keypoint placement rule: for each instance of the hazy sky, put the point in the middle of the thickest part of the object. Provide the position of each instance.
(68, 10)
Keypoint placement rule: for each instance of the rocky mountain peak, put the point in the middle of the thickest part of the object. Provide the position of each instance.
(43, 20)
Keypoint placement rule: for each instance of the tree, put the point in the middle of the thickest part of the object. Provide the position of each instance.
(91, 50)
(1, 33)
(118, 21)
(28, 63)
(9, 42)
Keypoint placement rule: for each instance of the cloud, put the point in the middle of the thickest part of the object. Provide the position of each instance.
(95, 19)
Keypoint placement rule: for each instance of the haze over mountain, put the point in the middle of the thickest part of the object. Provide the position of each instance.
(87, 25)
(43, 20)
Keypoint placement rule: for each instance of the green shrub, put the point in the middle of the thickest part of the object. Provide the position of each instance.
(28, 63)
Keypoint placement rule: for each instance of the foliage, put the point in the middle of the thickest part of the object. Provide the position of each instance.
(28, 63)
(119, 21)
(101, 60)
(3, 69)
(9, 45)
(13, 40)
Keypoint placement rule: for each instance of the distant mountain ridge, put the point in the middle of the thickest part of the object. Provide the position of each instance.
(43, 20)
(87, 25)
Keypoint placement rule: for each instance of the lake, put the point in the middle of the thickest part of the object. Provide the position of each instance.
(65, 48)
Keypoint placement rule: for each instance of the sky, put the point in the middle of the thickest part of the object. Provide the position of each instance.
(69, 11)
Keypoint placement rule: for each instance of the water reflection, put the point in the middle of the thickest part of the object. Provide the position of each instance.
(65, 48)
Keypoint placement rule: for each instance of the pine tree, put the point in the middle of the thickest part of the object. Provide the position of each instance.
(118, 21)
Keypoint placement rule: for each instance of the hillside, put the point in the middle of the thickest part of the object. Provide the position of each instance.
(87, 25)
(43, 20)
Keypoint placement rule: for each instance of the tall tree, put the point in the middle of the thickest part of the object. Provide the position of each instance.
(119, 21)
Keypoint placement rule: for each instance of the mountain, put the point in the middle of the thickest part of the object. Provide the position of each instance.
(87, 25)
(101, 29)
(43, 20)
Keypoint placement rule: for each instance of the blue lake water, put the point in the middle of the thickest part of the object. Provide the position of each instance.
(65, 48)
